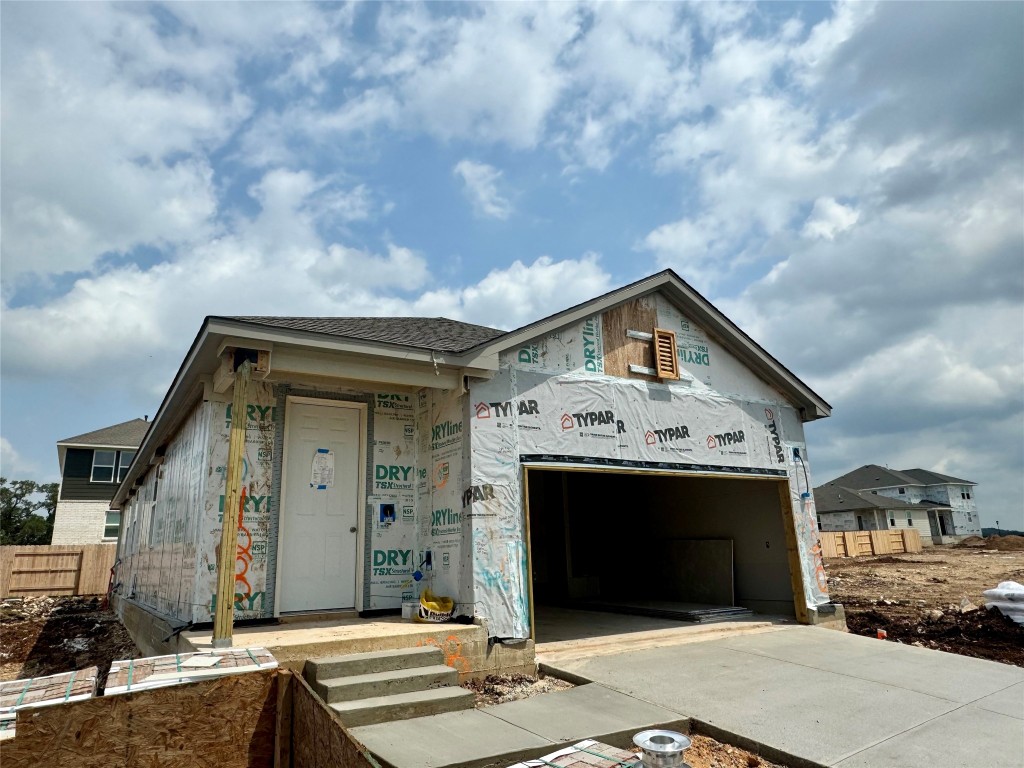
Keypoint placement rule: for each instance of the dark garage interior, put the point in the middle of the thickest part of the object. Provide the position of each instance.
(630, 541)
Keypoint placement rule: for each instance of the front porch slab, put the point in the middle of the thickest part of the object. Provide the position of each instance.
(465, 647)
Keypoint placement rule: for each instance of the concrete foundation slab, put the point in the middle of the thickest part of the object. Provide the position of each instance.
(946, 675)
(796, 691)
(1009, 702)
(589, 711)
(464, 647)
(470, 738)
(968, 738)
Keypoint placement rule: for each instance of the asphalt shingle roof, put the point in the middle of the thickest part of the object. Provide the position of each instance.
(874, 476)
(934, 478)
(836, 498)
(125, 433)
(434, 333)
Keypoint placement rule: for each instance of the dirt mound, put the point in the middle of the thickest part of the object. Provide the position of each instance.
(498, 689)
(1002, 543)
(47, 635)
(983, 634)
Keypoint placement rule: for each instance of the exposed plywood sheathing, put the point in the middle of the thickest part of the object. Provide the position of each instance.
(318, 739)
(228, 722)
(620, 351)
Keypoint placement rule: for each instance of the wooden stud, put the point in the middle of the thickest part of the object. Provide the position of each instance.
(793, 553)
(224, 616)
(529, 552)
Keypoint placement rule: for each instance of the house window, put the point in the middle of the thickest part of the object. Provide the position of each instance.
(103, 466)
(903, 490)
(892, 522)
(968, 495)
(113, 523)
(910, 520)
(124, 461)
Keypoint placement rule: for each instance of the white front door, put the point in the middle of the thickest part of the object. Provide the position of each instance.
(319, 542)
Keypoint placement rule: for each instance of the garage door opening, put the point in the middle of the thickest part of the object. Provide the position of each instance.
(654, 549)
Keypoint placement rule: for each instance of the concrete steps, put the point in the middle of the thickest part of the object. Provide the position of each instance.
(381, 686)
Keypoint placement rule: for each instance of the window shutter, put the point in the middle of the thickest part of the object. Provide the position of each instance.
(666, 363)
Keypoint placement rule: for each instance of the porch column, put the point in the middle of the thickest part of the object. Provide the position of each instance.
(223, 618)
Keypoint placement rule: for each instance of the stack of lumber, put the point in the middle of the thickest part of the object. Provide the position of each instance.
(43, 692)
(158, 671)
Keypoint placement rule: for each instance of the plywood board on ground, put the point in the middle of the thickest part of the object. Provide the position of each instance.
(228, 722)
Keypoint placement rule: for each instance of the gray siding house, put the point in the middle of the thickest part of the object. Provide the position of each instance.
(942, 507)
(91, 467)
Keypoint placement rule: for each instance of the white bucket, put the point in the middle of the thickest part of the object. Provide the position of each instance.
(409, 610)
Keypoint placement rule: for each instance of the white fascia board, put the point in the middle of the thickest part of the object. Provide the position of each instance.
(346, 367)
(262, 337)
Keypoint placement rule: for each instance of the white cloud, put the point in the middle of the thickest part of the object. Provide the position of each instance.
(12, 465)
(828, 219)
(481, 185)
(519, 294)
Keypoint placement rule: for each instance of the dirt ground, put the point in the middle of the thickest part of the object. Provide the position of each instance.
(46, 635)
(934, 599)
(703, 753)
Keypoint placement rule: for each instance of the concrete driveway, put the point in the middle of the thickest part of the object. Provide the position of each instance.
(830, 698)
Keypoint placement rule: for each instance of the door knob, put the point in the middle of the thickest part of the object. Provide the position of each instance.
(353, 529)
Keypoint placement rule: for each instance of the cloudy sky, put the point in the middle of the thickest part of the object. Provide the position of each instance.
(845, 181)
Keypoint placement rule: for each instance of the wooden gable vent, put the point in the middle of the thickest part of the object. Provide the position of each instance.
(666, 363)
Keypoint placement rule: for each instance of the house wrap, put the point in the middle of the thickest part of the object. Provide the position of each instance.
(384, 455)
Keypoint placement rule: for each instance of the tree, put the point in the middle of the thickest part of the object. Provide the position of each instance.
(20, 504)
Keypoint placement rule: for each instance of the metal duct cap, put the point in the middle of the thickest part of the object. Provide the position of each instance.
(661, 749)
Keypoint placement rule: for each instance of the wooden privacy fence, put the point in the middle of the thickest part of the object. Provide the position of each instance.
(861, 543)
(55, 569)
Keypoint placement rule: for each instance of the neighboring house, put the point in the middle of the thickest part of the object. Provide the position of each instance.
(636, 445)
(846, 509)
(91, 467)
(947, 503)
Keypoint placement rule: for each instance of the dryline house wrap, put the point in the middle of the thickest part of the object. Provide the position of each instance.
(377, 449)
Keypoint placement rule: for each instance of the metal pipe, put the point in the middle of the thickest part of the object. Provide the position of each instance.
(661, 749)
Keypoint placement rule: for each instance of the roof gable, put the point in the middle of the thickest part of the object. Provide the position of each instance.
(127, 433)
(700, 311)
